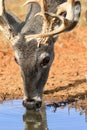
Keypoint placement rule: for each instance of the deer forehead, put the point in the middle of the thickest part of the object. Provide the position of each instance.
(30, 50)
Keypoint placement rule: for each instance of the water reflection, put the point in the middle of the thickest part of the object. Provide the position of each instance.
(35, 120)
(67, 115)
(79, 106)
(62, 115)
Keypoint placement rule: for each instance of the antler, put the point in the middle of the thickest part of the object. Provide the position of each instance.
(43, 6)
(53, 24)
(66, 22)
(68, 8)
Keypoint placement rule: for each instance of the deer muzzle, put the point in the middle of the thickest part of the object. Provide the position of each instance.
(32, 104)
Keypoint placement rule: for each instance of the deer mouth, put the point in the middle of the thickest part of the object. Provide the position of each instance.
(32, 104)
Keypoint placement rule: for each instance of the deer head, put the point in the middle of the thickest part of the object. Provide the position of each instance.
(33, 40)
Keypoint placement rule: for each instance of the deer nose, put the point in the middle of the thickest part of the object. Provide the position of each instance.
(32, 104)
(38, 104)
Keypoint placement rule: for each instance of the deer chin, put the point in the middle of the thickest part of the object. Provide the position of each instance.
(32, 104)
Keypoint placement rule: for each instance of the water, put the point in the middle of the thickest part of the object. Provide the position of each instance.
(14, 117)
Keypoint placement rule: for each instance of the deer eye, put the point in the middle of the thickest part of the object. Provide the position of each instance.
(44, 62)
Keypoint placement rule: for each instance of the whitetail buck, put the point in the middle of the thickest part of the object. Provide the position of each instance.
(33, 40)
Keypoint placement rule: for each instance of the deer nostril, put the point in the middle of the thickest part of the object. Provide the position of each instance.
(38, 104)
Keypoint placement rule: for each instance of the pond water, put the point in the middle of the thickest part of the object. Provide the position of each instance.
(14, 117)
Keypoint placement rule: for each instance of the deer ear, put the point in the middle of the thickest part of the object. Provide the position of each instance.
(77, 11)
(33, 24)
(10, 25)
(15, 23)
(8, 19)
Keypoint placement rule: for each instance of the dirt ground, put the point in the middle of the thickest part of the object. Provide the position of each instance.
(68, 75)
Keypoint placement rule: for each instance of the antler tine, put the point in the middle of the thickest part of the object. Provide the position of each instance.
(42, 3)
(67, 7)
(43, 6)
(65, 21)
